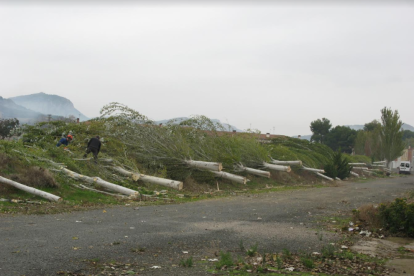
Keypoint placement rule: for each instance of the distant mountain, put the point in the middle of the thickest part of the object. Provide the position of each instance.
(9, 109)
(49, 104)
(181, 119)
(360, 127)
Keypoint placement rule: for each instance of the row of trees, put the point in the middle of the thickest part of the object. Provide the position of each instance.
(379, 139)
(8, 127)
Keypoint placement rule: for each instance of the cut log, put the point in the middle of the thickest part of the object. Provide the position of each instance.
(357, 164)
(178, 185)
(354, 174)
(337, 178)
(253, 171)
(324, 176)
(30, 190)
(232, 177)
(276, 167)
(289, 163)
(313, 170)
(100, 182)
(134, 176)
(359, 168)
(211, 166)
(380, 162)
(368, 172)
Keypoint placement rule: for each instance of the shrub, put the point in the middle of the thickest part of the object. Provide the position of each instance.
(338, 167)
(187, 263)
(398, 216)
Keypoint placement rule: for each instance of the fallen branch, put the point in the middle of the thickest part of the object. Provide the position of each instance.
(30, 190)
(107, 160)
(102, 192)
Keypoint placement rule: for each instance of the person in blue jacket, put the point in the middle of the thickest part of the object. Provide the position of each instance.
(64, 141)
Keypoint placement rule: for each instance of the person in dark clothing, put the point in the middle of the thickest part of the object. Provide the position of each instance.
(94, 146)
(64, 141)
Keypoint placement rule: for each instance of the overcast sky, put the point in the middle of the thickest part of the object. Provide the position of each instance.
(271, 67)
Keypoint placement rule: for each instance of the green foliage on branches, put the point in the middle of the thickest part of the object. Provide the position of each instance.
(7, 127)
(312, 155)
(320, 129)
(338, 167)
(391, 134)
(341, 137)
(398, 216)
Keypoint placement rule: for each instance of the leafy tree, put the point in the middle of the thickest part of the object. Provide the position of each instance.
(320, 128)
(372, 126)
(338, 167)
(7, 126)
(407, 134)
(391, 134)
(341, 137)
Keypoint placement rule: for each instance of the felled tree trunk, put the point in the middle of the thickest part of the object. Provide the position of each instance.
(100, 182)
(324, 176)
(313, 170)
(107, 160)
(30, 190)
(211, 166)
(357, 164)
(276, 167)
(178, 185)
(232, 177)
(134, 176)
(254, 171)
(354, 174)
(359, 168)
(289, 163)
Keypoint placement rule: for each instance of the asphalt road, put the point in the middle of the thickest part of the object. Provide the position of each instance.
(157, 235)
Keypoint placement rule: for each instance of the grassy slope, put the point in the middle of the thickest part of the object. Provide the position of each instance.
(20, 161)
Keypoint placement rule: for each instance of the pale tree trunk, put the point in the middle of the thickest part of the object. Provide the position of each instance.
(337, 178)
(276, 167)
(313, 170)
(253, 171)
(211, 166)
(359, 168)
(134, 176)
(354, 174)
(232, 177)
(357, 164)
(324, 176)
(30, 190)
(100, 182)
(178, 185)
(289, 163)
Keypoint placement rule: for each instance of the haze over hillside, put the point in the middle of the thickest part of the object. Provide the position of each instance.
(9, 109)
(49, 104)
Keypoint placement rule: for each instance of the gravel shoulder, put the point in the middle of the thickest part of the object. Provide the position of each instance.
(157, 235)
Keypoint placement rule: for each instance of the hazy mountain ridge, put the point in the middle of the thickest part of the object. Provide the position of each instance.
(9, 109)
(49, 104)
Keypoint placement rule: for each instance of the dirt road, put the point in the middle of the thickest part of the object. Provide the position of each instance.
(158, 235)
